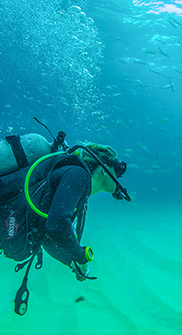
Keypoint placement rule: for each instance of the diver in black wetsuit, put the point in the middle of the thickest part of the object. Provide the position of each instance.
(60, 186)
(72, 186)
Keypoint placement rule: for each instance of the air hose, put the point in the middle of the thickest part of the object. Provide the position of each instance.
(26, 186)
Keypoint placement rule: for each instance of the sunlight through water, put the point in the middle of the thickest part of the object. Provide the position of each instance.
(157, 7)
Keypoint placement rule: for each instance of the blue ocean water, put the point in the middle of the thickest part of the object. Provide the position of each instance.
(108, 72)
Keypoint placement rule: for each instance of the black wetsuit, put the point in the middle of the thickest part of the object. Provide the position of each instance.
(60, 187)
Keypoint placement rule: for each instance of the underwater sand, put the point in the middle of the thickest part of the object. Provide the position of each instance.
(138, 262)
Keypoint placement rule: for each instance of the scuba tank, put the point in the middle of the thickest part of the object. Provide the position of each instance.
(20, 151)
(17, 152)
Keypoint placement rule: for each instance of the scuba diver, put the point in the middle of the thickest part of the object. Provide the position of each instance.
(44, 206)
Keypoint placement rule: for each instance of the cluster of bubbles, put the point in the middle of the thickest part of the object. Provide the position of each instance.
(53, 45)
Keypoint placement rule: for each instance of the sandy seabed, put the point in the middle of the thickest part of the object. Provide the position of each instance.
(138, 262)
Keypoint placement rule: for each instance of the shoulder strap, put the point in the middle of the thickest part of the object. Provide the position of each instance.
(67, 159)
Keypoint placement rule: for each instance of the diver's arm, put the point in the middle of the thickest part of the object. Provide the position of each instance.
(61, 242)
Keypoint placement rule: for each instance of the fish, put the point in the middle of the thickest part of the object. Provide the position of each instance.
(168, 77)
(126, 80)
(150, 52)
(139, 61)
(144, 147)
(124, 60)
(154, 166)
(164, 119)
(167, 170)
(65, 103)
(148, 171)
(115, 95)
(121, 122)
(161, 41)
(15, 95)
(172, 154)
(175, 21)
(117, 38)
(156, 72)
(133, 166)
(172, 24)
(130, 151)
(131, 108)
(158, 208)
(170, 86)
(162, 52)
(156, 87)
(140, 84)
(44, 87)
(166, 115)
(176, 69)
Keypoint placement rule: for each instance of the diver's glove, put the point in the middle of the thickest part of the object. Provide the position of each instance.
(81, 270)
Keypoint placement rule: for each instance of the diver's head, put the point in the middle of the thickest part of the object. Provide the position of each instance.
(107, 155)
(100, 178)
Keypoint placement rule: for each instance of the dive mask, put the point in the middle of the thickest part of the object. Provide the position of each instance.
(119, 168)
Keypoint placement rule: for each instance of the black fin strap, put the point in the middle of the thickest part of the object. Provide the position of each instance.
(20, 266)
(1, 248)
(38, 265)
(16, 146)
(22, 295)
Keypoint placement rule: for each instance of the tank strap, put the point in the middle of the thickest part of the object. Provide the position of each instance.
(16, 146)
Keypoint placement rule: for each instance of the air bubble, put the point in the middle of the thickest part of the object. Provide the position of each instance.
(74, 10)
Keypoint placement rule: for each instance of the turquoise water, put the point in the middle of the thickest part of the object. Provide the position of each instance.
(138, 290)
(107, 72)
